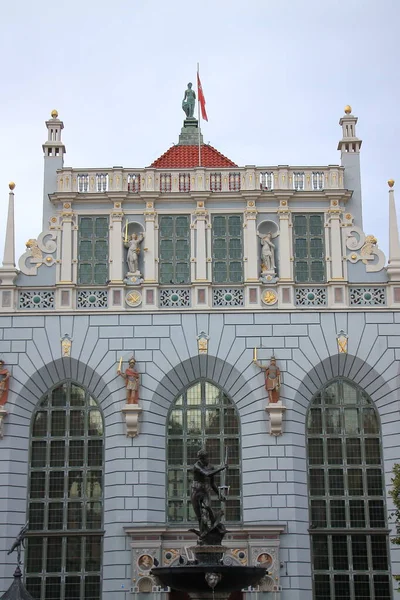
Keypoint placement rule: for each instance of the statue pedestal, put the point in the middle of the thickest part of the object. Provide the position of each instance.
(131, 414)
(3, 414)
(190, 133)
(133, 278)
(276, 411)
(269, 277)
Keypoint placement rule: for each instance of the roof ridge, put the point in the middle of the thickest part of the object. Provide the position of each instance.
(184, 156)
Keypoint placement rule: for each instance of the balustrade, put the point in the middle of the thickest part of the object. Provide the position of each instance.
(267, 179)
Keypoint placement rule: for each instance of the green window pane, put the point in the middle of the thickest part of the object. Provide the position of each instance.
(300, 224)
(182, 272)
(101, 250)
(220, 272)
(166, 273)
(317, 271)
(235, 272)
(182, 227)
(315, 451)
(219, 226)
(166, 249)
(166, 226)
(93, 250)
(85, 273)
(35, 555)
(320, 552)
(338, 513)
(235, 248)
(86, 227)
(101, 227)
(40, 424)
(301, 269)
(54, 554)
(100, 273)
(234, 225)
(316, 248)
(220, 248)
(85, 250)
(182, 249)
(74, 554)
(318, 513)
(316, 225)
(174, 250)
(300, 248)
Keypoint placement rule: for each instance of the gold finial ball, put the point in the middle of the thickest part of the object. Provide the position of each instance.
(54, 113)
(391, 183)
(347, 109)
(11, 185)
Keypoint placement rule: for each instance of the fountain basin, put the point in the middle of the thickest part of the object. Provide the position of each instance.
(191, 578)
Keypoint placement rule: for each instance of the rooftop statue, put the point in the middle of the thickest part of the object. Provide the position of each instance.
(188, 101)
(19, 543)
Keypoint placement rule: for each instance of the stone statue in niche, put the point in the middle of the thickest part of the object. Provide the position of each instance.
(4, 383)
(268, 267)
(188, 101)
(133, 245)
(132, 378)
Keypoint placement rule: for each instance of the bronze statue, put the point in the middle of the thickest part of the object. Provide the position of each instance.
(188, 101)
(131, 377)
(203, 483)
(19, 542)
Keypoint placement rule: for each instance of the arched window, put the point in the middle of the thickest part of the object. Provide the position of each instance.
(346, 496)
(65, 498)
(203, 416)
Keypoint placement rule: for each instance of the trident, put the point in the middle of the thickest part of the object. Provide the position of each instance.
(223, 488)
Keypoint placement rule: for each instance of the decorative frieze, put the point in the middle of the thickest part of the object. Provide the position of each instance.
(311, 296)
(228, 297)
(36, 299)
(367, 296)
(92, 299)
(175, 298)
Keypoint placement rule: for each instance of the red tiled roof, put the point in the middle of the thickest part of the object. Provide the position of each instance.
(187, 157)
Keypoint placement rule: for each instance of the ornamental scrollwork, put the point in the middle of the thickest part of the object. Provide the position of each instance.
(369, 253)
(34, 257)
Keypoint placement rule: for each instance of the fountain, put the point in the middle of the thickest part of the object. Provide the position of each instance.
(208, 575)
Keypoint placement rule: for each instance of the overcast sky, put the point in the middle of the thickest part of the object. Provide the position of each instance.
(276, 75)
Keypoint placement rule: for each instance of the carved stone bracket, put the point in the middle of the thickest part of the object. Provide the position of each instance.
(276, 411)
(131, 414)
(3, 414)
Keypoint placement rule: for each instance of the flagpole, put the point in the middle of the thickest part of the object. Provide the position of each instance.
(198, 112)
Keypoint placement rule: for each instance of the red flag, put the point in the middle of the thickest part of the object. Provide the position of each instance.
(201, 99)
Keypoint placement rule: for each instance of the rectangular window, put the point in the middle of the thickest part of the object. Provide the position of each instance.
(309, 248)
(227, 248)
(93, 250)
(174, 249)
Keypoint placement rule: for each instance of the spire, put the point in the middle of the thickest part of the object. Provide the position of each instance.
(393, 268)
(349, 141)
(9, 245)
(54, 146)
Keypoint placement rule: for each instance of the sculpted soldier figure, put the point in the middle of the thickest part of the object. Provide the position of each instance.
(4, 383)
(131, 377)
(188, 101)
(202, 485)
(273, 381)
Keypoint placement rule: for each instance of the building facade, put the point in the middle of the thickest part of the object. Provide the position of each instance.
(202, 271)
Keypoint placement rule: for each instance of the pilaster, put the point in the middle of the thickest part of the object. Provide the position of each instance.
(285, 241)
(251, 266)
(116, 244)
(200, 222)
(336, 253)
(66, 244)
(150, 244)
(393, 268)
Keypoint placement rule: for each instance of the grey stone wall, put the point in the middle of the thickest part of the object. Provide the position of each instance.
(165, 346)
